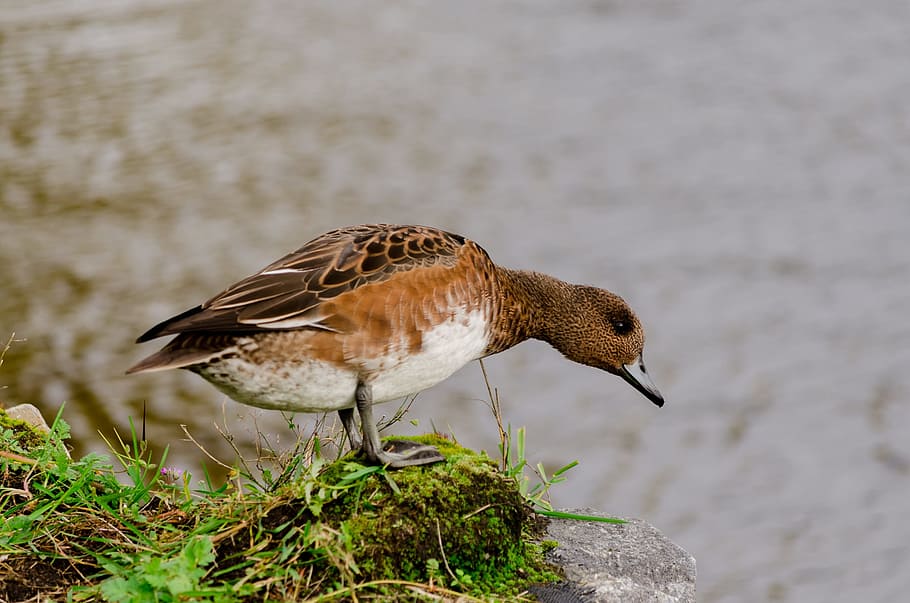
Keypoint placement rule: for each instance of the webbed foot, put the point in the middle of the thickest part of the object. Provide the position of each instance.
(404, 453)
(397, 453)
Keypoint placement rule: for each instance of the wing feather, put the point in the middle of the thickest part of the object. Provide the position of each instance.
(289, 292)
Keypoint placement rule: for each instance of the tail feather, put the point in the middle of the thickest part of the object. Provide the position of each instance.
(183, 351)
(170, 326)
(165, 359)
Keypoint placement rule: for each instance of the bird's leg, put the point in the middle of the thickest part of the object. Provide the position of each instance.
(350, 427)
(412, 454)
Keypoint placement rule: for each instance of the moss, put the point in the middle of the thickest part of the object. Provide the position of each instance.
(346, 532)
(459, 523)
(461, 517)
(548, 545)
(25, 435)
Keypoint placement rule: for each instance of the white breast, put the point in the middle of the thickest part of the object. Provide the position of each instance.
(445, 349)
(316, 386)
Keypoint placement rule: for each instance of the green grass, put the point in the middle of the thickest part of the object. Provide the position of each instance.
(124, 530)
(288, 526)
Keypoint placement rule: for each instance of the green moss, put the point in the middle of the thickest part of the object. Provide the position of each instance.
(460, 523)
(24, 434)
(341, 531)
(461, 517)
(548, 545)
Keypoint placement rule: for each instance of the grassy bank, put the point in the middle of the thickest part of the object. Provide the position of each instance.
(127, 528)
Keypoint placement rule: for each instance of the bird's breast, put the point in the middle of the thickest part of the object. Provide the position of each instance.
(444, 348)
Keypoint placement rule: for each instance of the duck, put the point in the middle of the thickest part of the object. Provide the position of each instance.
(373, 313)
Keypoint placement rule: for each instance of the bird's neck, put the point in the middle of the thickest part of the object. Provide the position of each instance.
(528, 308)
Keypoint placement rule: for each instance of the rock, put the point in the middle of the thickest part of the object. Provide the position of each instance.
(34, 423)
(30, 414)
(631, 562)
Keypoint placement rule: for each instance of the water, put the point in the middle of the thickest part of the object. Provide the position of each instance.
(739, 174)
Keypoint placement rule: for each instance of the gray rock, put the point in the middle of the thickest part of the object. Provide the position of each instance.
(631, 562)
(30, 414)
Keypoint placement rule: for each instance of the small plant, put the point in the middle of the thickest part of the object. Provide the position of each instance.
(286, 526)
(152, 578)
(513, 463)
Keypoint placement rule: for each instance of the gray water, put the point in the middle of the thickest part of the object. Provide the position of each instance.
(739, 173)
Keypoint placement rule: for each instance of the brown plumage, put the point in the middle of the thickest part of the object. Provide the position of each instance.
(375, 312)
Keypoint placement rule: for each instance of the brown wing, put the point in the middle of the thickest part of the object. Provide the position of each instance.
(289, 293)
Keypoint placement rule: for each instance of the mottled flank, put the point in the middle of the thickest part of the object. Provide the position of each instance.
(372, 313)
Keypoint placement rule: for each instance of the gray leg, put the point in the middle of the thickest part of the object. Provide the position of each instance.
(413, 454)
(350, 427)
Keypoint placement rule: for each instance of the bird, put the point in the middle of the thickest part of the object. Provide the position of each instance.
(372, 313)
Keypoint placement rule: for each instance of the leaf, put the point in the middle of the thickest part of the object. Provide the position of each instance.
(564, 469)
(117, 589)
(563, 515)
(361, 472)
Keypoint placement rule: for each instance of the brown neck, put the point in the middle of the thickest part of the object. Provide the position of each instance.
(524, 307)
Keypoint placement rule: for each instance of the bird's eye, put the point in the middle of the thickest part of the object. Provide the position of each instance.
(621, 326)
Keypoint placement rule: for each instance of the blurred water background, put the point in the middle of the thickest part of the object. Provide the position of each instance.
(740, 173)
